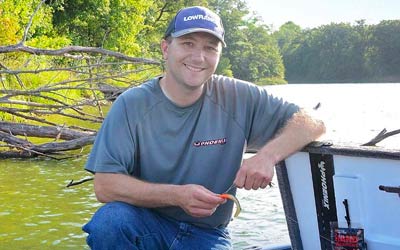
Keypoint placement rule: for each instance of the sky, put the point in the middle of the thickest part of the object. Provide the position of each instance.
(314, 13)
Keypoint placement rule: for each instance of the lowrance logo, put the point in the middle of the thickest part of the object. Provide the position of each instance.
(196, 17)
(321, 166)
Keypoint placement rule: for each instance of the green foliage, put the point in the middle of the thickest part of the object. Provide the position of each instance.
(111, 24)
(385, 50)
(224, 67)
(271, 81)
(14, 18)
(340, 52)
(286, 35)
(49, 42)
(8, 30)
(251, 52)
(15, 15)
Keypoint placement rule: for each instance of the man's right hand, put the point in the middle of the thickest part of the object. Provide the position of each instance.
(198, 201)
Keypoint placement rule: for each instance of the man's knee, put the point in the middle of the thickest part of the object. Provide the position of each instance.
(113, 219)
(118, 225)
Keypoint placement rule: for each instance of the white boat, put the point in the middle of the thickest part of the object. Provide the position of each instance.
(341, 197)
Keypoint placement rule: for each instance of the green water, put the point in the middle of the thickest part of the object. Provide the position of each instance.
(37, 211)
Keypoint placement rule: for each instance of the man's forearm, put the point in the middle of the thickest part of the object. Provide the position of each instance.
(195, 200)
(299, 131)
(258, 170)
(118, 187)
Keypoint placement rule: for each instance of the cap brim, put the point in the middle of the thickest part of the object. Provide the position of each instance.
(193, 30)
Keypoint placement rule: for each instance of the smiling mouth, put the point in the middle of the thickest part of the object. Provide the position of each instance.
(194, 69)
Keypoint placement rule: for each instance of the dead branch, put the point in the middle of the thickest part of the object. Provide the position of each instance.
(16, 76)
(381, 136)
(13, 140)
(74, 49)
(73, 144)
(41, 131)
(25, 147)
(41, 112)
(28, 26)
(70, 69)
(74, 183)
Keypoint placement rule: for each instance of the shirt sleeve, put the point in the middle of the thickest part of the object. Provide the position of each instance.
(268, 115)
(114, 147)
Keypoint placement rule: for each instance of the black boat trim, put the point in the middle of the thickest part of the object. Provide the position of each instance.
(322, 171)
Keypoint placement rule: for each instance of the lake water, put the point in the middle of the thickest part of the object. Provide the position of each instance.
(38, 212)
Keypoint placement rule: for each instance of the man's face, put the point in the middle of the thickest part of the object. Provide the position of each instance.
(191, 59)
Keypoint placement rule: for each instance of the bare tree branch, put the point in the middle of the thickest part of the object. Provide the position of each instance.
(73, 144)
(381, 136)
(28, 26)
(74, 49)
(41, 131)
(75, 183)
(16, 76)
(71, 69)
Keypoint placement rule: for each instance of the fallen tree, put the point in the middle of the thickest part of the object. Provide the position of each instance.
(47, 111)
(52, 101)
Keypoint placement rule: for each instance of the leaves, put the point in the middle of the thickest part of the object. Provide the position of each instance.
(341, 52)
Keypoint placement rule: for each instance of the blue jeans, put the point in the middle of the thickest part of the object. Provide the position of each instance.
(121, 226)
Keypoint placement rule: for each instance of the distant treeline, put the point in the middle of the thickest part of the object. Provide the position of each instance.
(330, 53)
(341, 52)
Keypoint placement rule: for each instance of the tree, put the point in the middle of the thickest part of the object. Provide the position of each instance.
(15, 14)
(286, 36)
(251, 54)
(334, 52)
(112, 24)
(263, 58)
(385, 50)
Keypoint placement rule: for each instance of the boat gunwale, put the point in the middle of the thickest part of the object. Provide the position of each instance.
(322, 147)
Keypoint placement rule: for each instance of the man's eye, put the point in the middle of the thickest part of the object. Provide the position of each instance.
(189, 44)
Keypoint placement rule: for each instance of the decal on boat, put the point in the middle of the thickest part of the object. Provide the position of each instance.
(321, 166)
(322, 171)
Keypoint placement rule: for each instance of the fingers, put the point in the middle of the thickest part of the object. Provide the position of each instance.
(254, 174)
(240, 179)
(201, 209)
(252, 180)
(202, 212)
(265, 184)
(200, 202)
(256, 183)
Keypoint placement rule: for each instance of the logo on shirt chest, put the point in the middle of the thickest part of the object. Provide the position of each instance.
(220, 141)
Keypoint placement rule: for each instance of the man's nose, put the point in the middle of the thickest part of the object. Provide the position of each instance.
(198, 54)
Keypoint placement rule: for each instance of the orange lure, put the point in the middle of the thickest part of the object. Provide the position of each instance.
(235, 200)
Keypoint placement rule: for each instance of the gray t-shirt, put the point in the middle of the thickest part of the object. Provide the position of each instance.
(147, 136)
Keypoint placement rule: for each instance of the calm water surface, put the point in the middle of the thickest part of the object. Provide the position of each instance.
(38, 212)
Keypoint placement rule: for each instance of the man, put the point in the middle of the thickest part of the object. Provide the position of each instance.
(169, 147)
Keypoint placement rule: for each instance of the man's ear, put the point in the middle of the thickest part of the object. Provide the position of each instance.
(164, 48)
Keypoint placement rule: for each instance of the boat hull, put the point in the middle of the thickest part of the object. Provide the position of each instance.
(316, 183)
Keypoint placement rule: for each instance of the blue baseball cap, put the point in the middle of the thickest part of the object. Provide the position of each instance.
(196, 19)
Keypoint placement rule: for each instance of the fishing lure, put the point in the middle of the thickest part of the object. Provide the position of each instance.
(235, 200)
